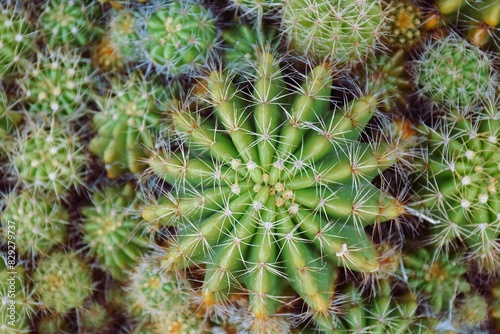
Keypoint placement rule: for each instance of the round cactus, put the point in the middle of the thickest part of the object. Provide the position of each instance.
(111, 230)
(41, 222)
(471, 314)
(70, 23)
(386, 77)
(94, 318)
(403, 24)
(62, 282)
(257, 9)
(58, 85)
(52, 323)
(343, 31)
(119, 46)
(127, 125)
(180, 36)
(9, 119)
(48, 158)
(16, 41)
(259, 205)
(439, 280)
(16, 301)
(459, 187)
(454, 74)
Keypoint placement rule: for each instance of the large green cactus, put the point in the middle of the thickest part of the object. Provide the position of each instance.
(265, 189)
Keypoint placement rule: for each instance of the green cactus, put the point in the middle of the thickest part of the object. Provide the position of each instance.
(120, 45)
(16, 41)
(127, 125)
(58, 85)
(94, 318)
(453, 73)
(112, 231)
(72, 23)
(62, 282)
(471, 314)
(17, 305)
(343, 31)
(40, 221)
(495, 306)
(459, 186)
(260, 193)
(439, 279)
(257, 9)
(52, 323)
(47, 157)
(9, 120)
(386, 77)
(180, 36)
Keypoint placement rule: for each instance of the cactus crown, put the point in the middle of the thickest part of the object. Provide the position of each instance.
(261, 192)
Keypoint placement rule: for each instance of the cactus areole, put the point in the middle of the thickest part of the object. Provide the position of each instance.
(273, 190)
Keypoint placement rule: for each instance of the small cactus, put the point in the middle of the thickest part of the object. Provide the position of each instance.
(257, 9)
(342, 31)
(58, 85)
(403, 24)
(127, 125)
(459, 186)
(52, 323)
(41, 222)
(9, 120)
(179, 36)
(112, 232)
(453, 73)
(260, 204)
(47, 157)
(62, 282)
(70, 23)
(94, 318)
(16, 41)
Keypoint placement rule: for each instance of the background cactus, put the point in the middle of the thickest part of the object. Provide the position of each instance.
(292, 200)
(112, 232)
(42, 222)
(62, 282)
(343, 31)
(128, 123)
(459, 188)
(257, 9)
(70, 23)
(47, 157)
(403, 24)
(9, 120)
(180, 36)
(453, 73)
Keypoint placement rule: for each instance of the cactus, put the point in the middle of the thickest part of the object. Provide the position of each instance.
(94, 318)
(47, 157)
(257, 206)
(58, 85)
(403, 25)
(459, 187)
(453, 73)
(127, 125)
(386, 77)
(41, 222)
(380, 313)
(112, 232)
(17, 304)
(439, 279)
(62, 282)
(471, 314)
(495, 306)
(9, 120)
(70, 23)
(180, 36)
(257, 9)
(52, 323)
(343, 31)
(16, 41)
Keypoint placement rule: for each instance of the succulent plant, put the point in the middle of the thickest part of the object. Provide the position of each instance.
(403, 24)
(9, 120)
(259, 193)
(62, 282)
(386, 77)
(453, 73)
(127, 125)
(52, 323)
(17, 305)
(343, 31)
(41, 222)
(48, 157)
(112, 231)
(471, 313)
(120, 45)
(380, 313)
(458, 187)
(257, 9)
(438, 279)
(16, 41)
(94, 318)
(58, 85)
(70, 23)
(179, 36)
(495, 306)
